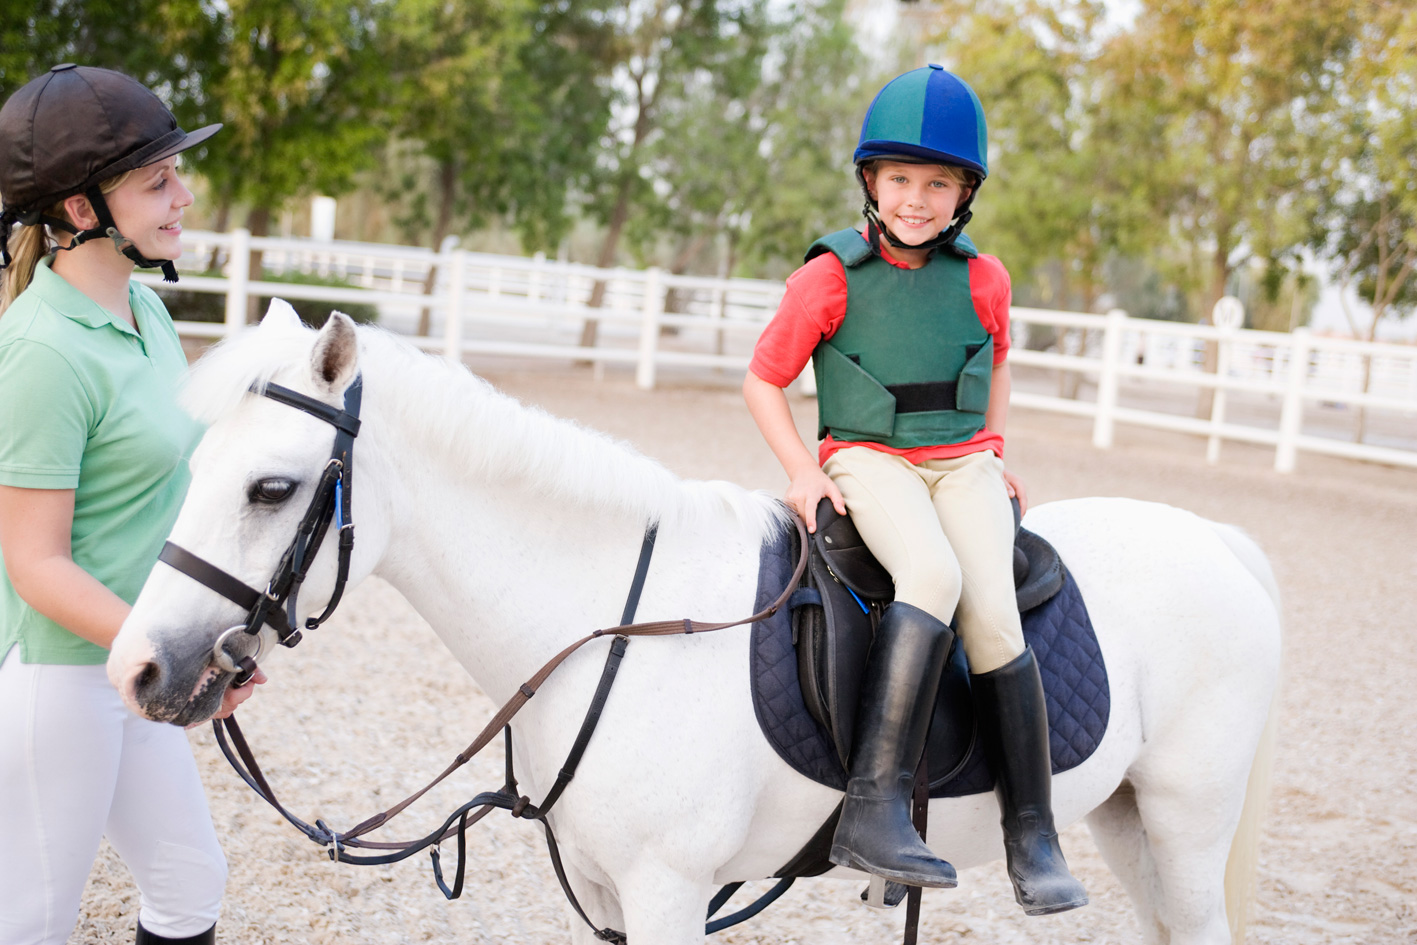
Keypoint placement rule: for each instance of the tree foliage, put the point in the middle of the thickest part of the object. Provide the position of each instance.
(1363, 181)
(504, 101)
(1206, 147)
(1054, 207)
(300, 86)
(759, 156)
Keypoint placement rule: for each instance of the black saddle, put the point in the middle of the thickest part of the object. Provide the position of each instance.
(836, 610)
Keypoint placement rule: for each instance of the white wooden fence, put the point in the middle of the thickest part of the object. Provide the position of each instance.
(1289, 389)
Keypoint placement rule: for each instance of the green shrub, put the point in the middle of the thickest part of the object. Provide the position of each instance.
(186, 305)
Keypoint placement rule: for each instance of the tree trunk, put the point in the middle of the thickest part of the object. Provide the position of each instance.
(447, 188)
(258, 221)
(1210, 359)
(223, 220)
(618, 218)
(674, 300)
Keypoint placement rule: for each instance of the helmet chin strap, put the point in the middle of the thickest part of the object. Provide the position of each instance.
(875, 229)
(107, 228)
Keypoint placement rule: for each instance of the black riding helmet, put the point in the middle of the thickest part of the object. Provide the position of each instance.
(66, 132)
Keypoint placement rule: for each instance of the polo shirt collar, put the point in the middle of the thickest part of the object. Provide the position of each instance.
(72, 303)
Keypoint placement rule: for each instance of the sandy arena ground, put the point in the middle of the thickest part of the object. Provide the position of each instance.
(371, 706)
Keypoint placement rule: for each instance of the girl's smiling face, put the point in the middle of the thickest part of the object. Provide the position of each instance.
(147, 207)
(916, 202)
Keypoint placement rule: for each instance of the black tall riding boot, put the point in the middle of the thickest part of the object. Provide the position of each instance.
(201, 938)
(1013, 722)
(897, 695)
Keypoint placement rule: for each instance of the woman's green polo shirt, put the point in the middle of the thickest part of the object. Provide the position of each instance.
(89, 404)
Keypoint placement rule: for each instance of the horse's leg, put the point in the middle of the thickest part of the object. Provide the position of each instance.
(1190, 788)
(1118, 832)
(598, 902)
(663, 906)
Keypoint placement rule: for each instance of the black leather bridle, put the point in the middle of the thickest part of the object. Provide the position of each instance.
(275, 607)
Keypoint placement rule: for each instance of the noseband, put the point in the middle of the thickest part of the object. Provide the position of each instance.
(275, 607)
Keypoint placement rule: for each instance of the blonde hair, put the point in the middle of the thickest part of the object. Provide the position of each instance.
(960, 175)
(30, 244)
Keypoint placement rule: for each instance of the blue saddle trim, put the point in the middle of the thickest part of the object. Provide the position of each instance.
(1060, 632)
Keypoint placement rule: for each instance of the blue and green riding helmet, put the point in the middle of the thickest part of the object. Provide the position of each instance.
(926, 116)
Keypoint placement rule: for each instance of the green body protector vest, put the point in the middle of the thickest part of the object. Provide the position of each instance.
(911, 363)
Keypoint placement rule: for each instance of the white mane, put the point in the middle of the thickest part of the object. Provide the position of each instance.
(460, 419)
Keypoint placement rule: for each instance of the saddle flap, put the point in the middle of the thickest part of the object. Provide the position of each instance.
(833, 639)
(840, 545)
(835, 616)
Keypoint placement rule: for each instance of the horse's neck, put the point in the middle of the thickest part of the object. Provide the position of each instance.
(506, 575)
(506, 581)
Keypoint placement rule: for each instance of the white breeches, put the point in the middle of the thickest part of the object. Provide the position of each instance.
(75, 766)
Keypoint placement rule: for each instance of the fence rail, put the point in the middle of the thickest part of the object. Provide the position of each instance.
(1295, 392)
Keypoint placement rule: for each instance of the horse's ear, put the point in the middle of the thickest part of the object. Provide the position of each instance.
(335, 358)
(281, 314)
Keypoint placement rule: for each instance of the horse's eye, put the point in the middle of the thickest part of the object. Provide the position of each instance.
(270, 491)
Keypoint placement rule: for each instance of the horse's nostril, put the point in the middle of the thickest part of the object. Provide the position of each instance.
(147, 677)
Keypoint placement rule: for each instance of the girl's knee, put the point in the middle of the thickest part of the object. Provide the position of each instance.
(933, 586)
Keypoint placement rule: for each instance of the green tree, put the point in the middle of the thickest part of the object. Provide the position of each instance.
(503, 102)
(663, 48)
(1053, 208)
(1216, 95)
(757, 158)
(1364, 174)
(302, 88)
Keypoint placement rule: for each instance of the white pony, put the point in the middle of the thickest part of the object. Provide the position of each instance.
(514, 533)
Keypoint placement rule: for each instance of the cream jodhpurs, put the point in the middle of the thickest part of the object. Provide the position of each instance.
(75, 766)
(944, 529)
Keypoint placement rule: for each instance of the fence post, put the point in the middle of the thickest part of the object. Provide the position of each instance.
(456, 268)
(538, 265)
(649, 328)
(238, 279)
(1291, 418)
(1227, 315)
(1107, 379)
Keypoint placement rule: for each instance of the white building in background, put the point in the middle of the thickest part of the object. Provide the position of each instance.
(322, 218)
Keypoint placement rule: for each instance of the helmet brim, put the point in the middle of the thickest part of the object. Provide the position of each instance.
(913, 154)
(174, 142)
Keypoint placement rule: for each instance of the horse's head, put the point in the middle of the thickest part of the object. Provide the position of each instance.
(253, 478)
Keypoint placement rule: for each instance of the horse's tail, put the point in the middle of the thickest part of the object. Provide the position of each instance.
(1241, 865)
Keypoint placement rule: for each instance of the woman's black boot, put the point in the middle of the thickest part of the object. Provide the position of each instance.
(201, 938)
(875, 833)
(1013, 722)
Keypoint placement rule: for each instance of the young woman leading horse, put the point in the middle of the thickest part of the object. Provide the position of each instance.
(514, 533)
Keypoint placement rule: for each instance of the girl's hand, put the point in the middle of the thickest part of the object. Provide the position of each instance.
(806, 491)
(235, 696)
(1014, 485)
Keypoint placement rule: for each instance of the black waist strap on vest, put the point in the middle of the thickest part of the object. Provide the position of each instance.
(923, 397)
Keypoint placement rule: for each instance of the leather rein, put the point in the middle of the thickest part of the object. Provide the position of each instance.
(275, 607)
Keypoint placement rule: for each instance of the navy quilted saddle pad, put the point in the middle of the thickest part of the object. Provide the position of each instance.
(1059, 631)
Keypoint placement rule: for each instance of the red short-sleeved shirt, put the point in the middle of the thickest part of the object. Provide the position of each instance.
(814, 307)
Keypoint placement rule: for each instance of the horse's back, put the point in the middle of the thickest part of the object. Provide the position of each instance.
(1186, 615)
